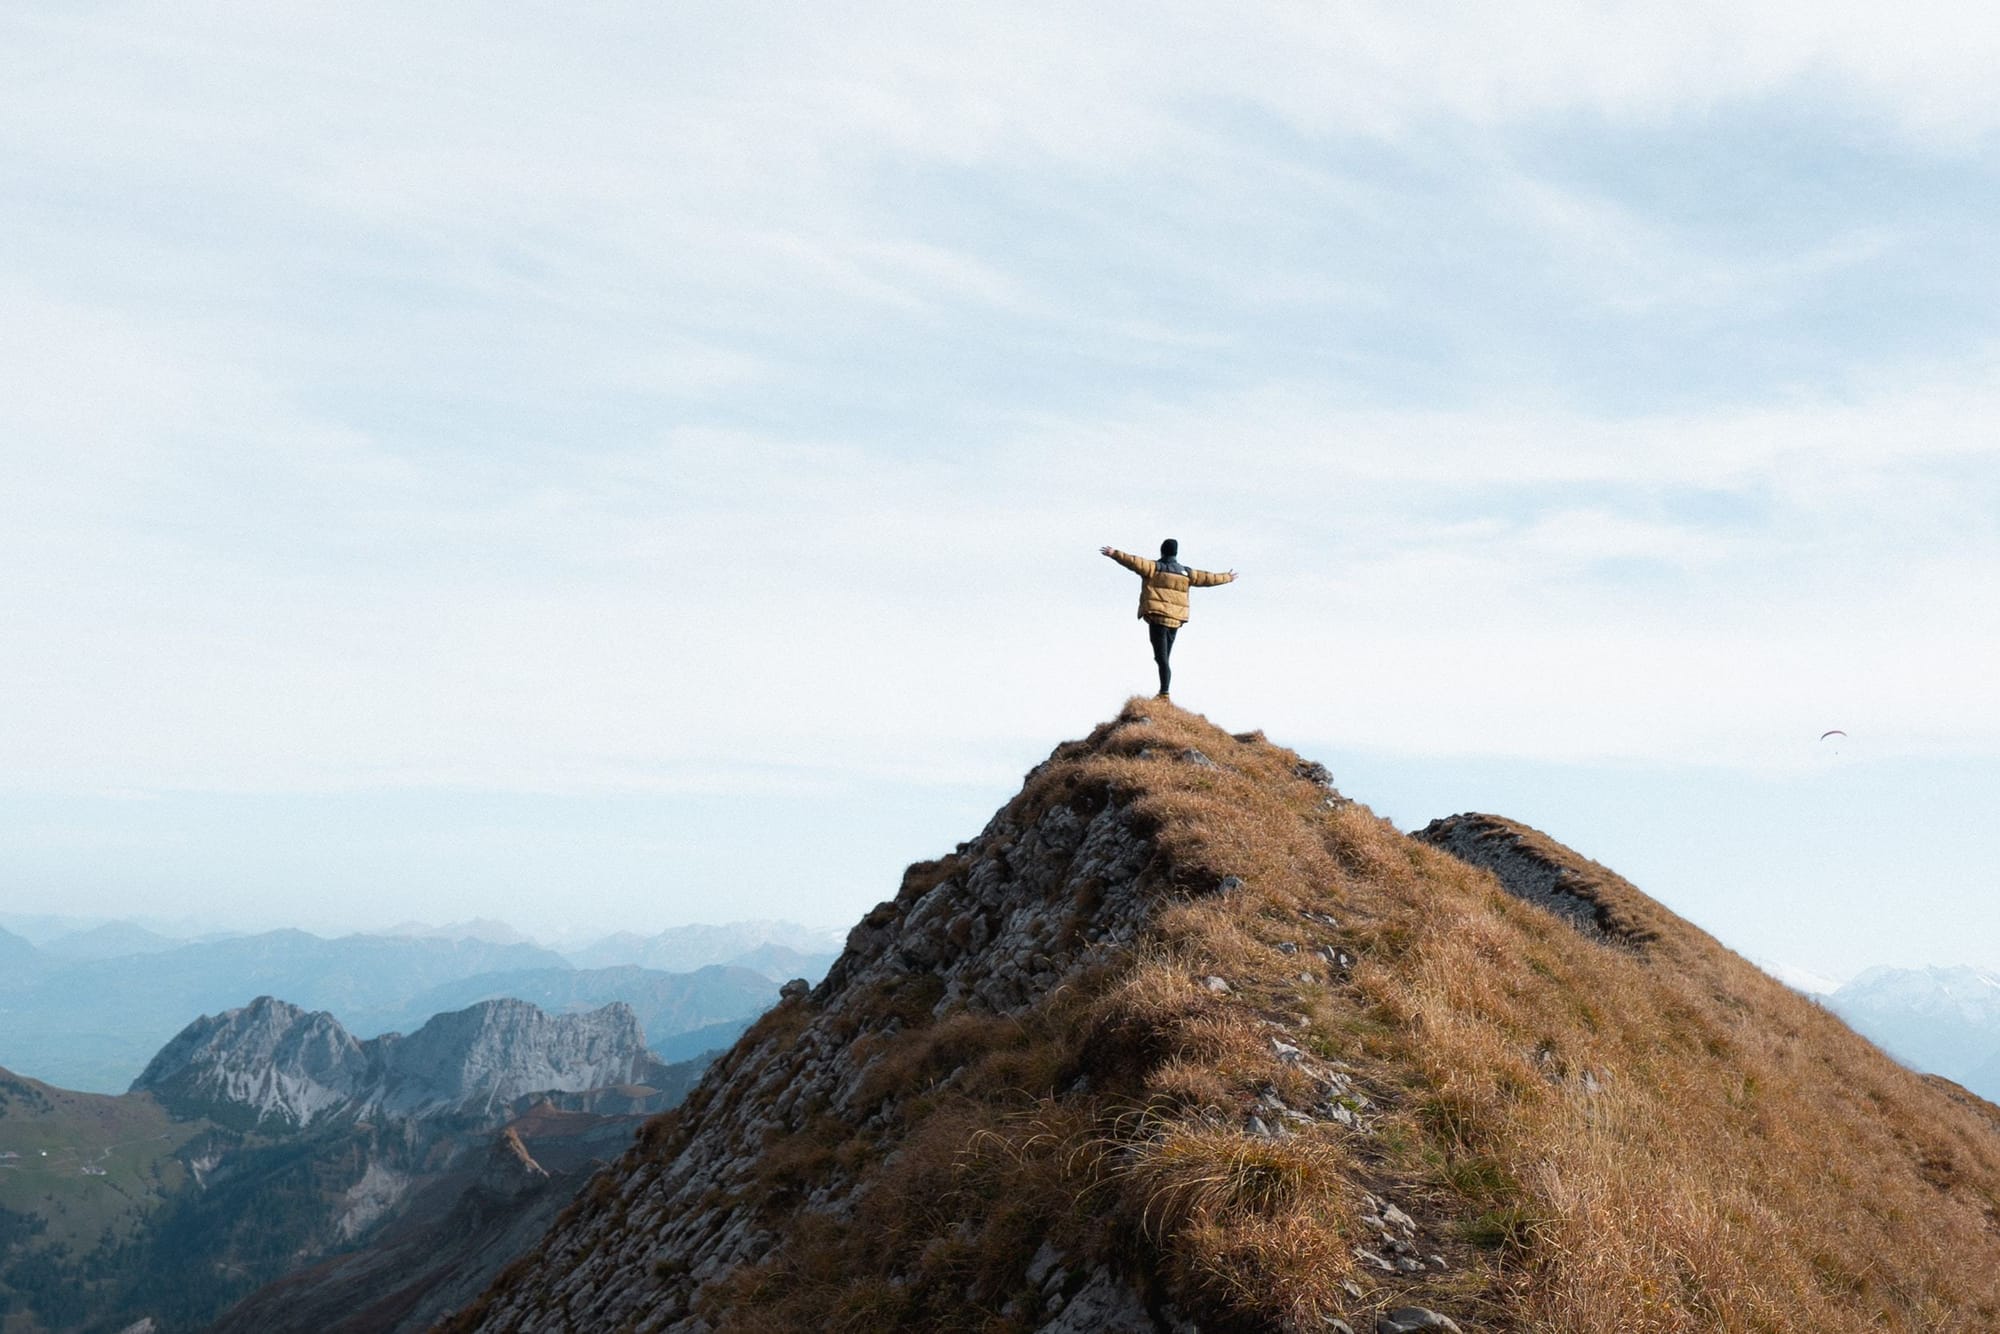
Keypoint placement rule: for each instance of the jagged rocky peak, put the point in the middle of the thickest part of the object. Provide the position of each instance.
(498, 1050)
(269, 1058)
(998, 922)
(271, 1061)
(1185, 1040)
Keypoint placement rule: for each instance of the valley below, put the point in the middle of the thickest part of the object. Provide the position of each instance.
(380, 1176)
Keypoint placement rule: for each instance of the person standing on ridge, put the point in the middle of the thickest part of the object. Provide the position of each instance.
(1163, 597)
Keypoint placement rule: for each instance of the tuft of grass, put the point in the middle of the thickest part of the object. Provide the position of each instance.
(1200, 1176)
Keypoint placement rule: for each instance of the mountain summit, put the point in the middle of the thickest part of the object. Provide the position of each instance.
(1187, 1040)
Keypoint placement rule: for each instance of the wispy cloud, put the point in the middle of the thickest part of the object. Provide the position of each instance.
(659, 607)
(396, 396)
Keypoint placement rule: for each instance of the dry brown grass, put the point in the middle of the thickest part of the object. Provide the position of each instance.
(1668, 1143)
(1596, 1139)
(1736, 1160)
(1672, 1142)
(1253, 1223)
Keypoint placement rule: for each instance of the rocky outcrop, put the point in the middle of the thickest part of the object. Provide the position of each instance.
(510, 1170)
(266, 1061)
(1532, 866)
(491, 1053)
(271, 1062)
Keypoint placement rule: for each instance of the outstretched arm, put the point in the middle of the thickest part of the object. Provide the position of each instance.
(1138, 565)
(1204, 579)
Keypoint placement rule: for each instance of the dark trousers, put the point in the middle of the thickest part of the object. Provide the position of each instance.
(1163, 648)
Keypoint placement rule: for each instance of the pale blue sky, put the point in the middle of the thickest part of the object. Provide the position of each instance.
(625, 464)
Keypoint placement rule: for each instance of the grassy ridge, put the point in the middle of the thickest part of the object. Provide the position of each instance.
(1578, 1134)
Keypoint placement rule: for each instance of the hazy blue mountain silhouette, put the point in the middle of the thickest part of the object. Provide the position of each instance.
(94, 1025)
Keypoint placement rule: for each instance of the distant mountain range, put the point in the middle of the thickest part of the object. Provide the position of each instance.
(88, 1008)
(15, 951)
(272, 1063)
(89, 1005)
(490, 930)
(1942, 1020)
(354, 1118)
(1939, 1020)
(113, 940)
(677, 949)
(93, 1025)
(266, 1137)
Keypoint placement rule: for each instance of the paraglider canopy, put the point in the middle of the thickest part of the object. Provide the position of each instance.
(1834, 731)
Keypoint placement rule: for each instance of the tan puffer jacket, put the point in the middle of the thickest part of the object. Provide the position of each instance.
(1163, 594)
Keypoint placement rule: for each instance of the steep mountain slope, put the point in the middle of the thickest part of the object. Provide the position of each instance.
(1185, 1039)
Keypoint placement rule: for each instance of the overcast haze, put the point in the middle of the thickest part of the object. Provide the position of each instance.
(621, 464)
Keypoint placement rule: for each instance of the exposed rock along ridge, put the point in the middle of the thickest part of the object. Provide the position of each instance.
(1533, 867)
(273, 1061)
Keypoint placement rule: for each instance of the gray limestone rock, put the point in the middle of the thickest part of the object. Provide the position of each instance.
(270, 1061)
(1047, 1261)
(1103, 1305)
(1413, 1319)
(1508, 852)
